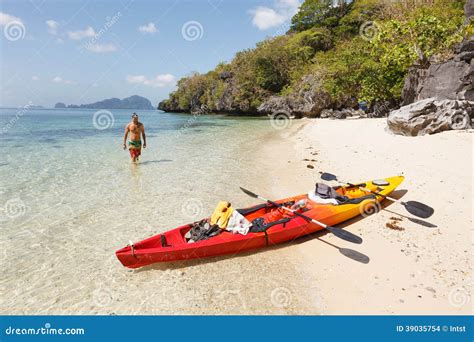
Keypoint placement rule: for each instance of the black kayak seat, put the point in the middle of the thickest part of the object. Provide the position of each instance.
(259, 226)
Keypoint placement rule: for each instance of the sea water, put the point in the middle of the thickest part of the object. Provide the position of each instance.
(70, 197)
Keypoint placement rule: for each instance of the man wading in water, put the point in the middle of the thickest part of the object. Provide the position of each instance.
(135, 128)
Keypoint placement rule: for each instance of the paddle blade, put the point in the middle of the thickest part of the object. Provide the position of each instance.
(354, 255)
(248, 192)
(345, 235)
(328, 176)
(418, 209)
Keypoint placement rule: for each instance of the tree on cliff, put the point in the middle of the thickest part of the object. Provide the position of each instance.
(351, 51)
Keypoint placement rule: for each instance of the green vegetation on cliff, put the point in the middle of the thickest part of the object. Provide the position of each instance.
(356, 50)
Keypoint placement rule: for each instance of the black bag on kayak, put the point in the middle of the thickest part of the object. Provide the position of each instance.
(328, 192)
(202, 230)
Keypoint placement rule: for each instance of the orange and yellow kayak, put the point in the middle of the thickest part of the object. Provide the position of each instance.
(172, 245)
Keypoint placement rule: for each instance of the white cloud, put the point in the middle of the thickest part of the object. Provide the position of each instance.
(148, 28)
(156, 82)
(60, 80)
(35, 78)
(52, 27)
(101, 48)
(7, 18)
(267, 17)
(78, 35)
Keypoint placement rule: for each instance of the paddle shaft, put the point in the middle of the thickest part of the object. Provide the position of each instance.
(294, 212)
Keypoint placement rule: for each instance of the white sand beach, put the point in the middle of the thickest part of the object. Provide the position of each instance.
(417, 270)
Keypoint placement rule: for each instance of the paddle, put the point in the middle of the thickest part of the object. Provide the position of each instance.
(340, 233)
(413, 207)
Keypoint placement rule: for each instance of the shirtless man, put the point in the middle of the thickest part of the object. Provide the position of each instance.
(136, 129)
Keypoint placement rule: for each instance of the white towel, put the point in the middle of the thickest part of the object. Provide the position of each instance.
(238, 224)
(315, 198)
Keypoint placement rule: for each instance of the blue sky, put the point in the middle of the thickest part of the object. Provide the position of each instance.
(84, 51)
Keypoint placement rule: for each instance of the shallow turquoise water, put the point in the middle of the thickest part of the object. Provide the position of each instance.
(60, 156)
(70, 197)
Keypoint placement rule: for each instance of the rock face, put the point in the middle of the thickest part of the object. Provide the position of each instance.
(226, 102)
(309, 100)
(343, 113)
(132, 102)
(453, 79)
(431, 116)
(469, 9)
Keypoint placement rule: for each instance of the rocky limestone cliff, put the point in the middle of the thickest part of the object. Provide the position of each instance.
(431, 116)
(309, 100)
(453, 79)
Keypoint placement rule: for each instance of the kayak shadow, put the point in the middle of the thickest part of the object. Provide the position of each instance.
(397, 194)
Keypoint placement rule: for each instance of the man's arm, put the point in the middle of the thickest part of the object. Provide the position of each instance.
(125, 137)
(144, 136)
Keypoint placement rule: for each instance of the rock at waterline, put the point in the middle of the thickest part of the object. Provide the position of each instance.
(342, 114)
(431, 116)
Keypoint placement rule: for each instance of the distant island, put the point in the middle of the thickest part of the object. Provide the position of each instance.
(132, 102)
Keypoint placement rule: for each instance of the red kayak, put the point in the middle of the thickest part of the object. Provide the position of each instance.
(172, 245)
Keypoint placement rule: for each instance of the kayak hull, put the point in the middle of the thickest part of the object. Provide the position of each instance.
(172, 246)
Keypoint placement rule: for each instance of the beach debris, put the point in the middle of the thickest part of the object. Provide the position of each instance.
(393, 224)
